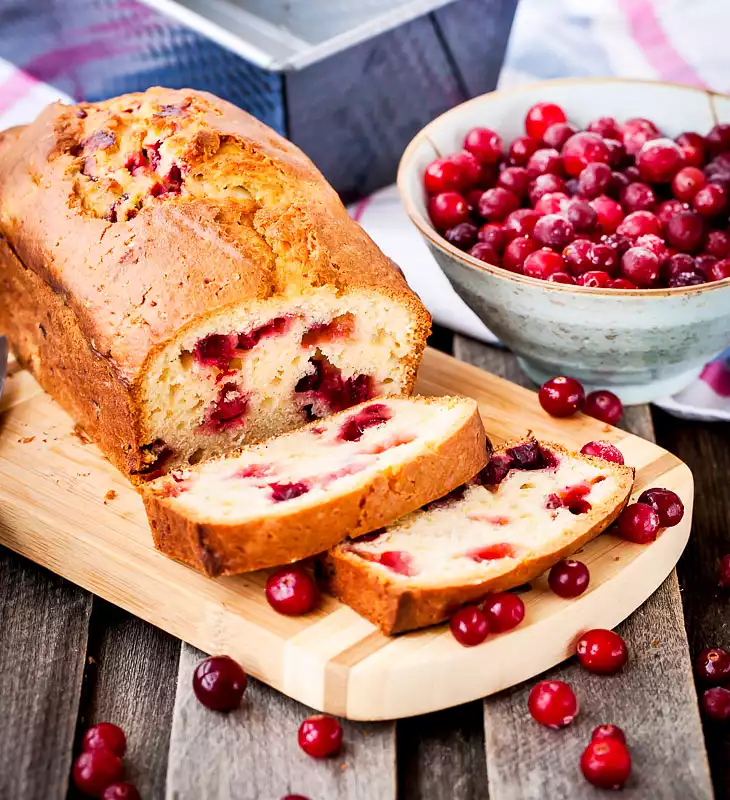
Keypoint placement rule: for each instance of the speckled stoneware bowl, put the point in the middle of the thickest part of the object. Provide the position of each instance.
(643, 345)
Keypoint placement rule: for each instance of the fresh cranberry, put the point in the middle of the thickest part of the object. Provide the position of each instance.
(516, 179)
(703, 262)
(558, 134)
(595, 179)
(715, 703)
(637, 197)
(521, 149)
(291, 591)
(463, 235)
(576, 256)
(494, 235)
(121, 791)
(622, 283)
(632, 173)
(219, 683)
(553, 231)
(445, 175)
(606, 763)
(516, 252)
(610, 213)
(604, 405)
(448, 209)
(569, 578)
(498, 203)
(693, 148)
(718, 139)
(473, 169)
(666, 504)
(619, 182)
(552, 203)
(639, 523)
(685, 232)
(604, 258)
(472, 197)
(105, 736)
(594, 279)
(616, 153)
(640, 223)
(687, 182)
(542, 264)
(485, 144)
(719, 271)
(679, 262)
(521, 222)
(562, 277)
(485, 253)
(608, 731)
(659, 160)
(94, 770)
(561, 396)
(540, 117)
(711, 200)
(604, 450)
(636, 132)
(469, 626)
(668, 209)
(724, 572)
(552, 703)
(546, 161)
(605, 127)
(583, 149)
(320, 736)
(684, 279)
(581, 216)
(712, 666)
(718, 244)
(601, 651)
(503, 611)
(641, 267)
(655, 244)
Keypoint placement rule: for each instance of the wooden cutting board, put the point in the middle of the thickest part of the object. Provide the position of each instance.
(65, 507)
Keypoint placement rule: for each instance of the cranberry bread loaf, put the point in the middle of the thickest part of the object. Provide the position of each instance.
(303, 492)
(183, 280)
(531, 506)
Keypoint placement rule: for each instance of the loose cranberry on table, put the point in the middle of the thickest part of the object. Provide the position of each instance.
(219, 683)
(320, 736)
(712, 666)
(638, 523)
(724, 573)
(569, 578)
(121, 791)
(715, 703)
(604, 405)
(503, 611)
(604, 450)
(448, 209)
(292, 591)
(94, 770)
(553, 704)
(105, 736)
(561, 396)
(666, 503)
(601, 651)
(608, 731)
(606, 763)
(469, 626)
(485, 144)
(540, 117)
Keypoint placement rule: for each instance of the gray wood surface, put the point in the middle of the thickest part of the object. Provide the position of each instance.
(252, 753)
(653, 699)
(43, 631)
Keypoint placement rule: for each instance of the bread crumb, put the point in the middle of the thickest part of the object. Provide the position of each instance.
(607, 428)
(110, 495)
(344, 766)
(26, 440)
(655, 642)
(81, 434)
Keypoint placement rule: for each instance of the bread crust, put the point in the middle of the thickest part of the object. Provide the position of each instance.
(122, 291)
(396, 608)
(226, 549)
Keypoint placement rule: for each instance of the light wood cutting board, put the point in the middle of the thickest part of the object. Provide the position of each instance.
(65, 507)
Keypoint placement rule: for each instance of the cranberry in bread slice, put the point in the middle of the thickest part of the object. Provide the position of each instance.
(533, 504)
(302, 492)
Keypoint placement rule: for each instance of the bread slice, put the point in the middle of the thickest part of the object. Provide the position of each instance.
(533, 504)
(303, 492)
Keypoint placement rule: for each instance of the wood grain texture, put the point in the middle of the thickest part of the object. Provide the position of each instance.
(528, 761)
(43, 628)
(252, 753)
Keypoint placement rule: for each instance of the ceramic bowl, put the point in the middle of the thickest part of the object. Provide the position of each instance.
(643, 344)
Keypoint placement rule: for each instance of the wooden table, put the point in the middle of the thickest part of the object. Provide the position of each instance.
(68, 659)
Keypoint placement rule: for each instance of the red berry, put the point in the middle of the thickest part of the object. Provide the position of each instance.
(472, 168)
(638, 523)
(558, 134)
(94, 770)
(521, 222)
(659, 160)
(703, 263)
(604, 405)
(622, 283)
(595, 179)
(606, 763)
(546, 161)
(637, 197)
(485, 144)
(320, 736)
(444, 175)
(516, 179)
(719, 271)
(121, 791)
(616, 153)
(641, 267)
(666, 504)
(291, 591)
(608, 731)
(516, 252)
(219, 683)
(469, 626)
(576, 256)
(448, 209)
(718, 244)
(601, 651)
(604, 450)
(294, 797)
(654, 244)
(595, 279)
(640, 223)
(540, 117)
(553, 231)
(462, 236)
(561, 396)
(583, 149)
(105, 736)
(486, 253)
(685, 232)
(715, 703)
(569, 578)
(542, 264)
(562, 277)
(552, 703)
(581, 216)
(693, 148)
(503, 611)
(610, 213)
(668, 209)
(713, 666)
(687, 182)
(711, 200)
(521, 149)
(724, 573)
(552, 203)
(494, 235)
(718, 139)
(687, 279)
(498, 203)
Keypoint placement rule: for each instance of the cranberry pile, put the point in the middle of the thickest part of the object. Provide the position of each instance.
(617, 206)
(98, 770)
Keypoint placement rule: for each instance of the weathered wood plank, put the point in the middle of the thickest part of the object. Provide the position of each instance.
(253, 753)
(653, 699)
(43, 632)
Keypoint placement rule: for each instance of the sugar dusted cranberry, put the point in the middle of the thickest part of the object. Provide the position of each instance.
(659, 160)
(485, 144)
(462, 236)
(553, 704)
(679, 262)
(641, 267)
(516, 179)
(610, 213)
(711, 200)
(569, 578)
(521, 149)
(635, 132)
(687, 182)
(684, 279)
(576, 257)
(622, 283)
(521, 222)
(553, 231)
(693, 148)
(444, 175)
(542, 264)
(581, 216)
(668, 209)
(718, 139)
(551, 203)
(685, 232)
(595, 179)
(638, 523)
(562, 277)
(320, 736)
(540, 117)
(469, 626)
(485, 253)
(712, 666)
(608, 731)
(494, 235)
(604, 258)
(724, 572)
(516, 252)
(546, 161)
(546, 184)
(94, 770)
(219, 683)
(703, 262)
(561, 396)
(604, 405)
(602, 651)
(718, 244)
(667, 505)
(605, 127)
(606, 763)
(719, 271)
(583, 149)
(637, 196)
(558, 134)
(715, 703)
(617, 242)
(121, 791)
(503, 611)
(498, 203)
(604, 450)
(105, 736)
(640, 223)
(448, 209)
(655, 244)
(594, 279)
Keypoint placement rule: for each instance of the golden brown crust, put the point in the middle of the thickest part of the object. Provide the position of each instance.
(227, 549)
(128, 287)
(396, 608)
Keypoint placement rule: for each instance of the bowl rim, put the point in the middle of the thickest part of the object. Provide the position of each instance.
(431, 234)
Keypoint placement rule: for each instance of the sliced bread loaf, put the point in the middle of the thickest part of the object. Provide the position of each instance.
(302, 492)
(533, 504)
